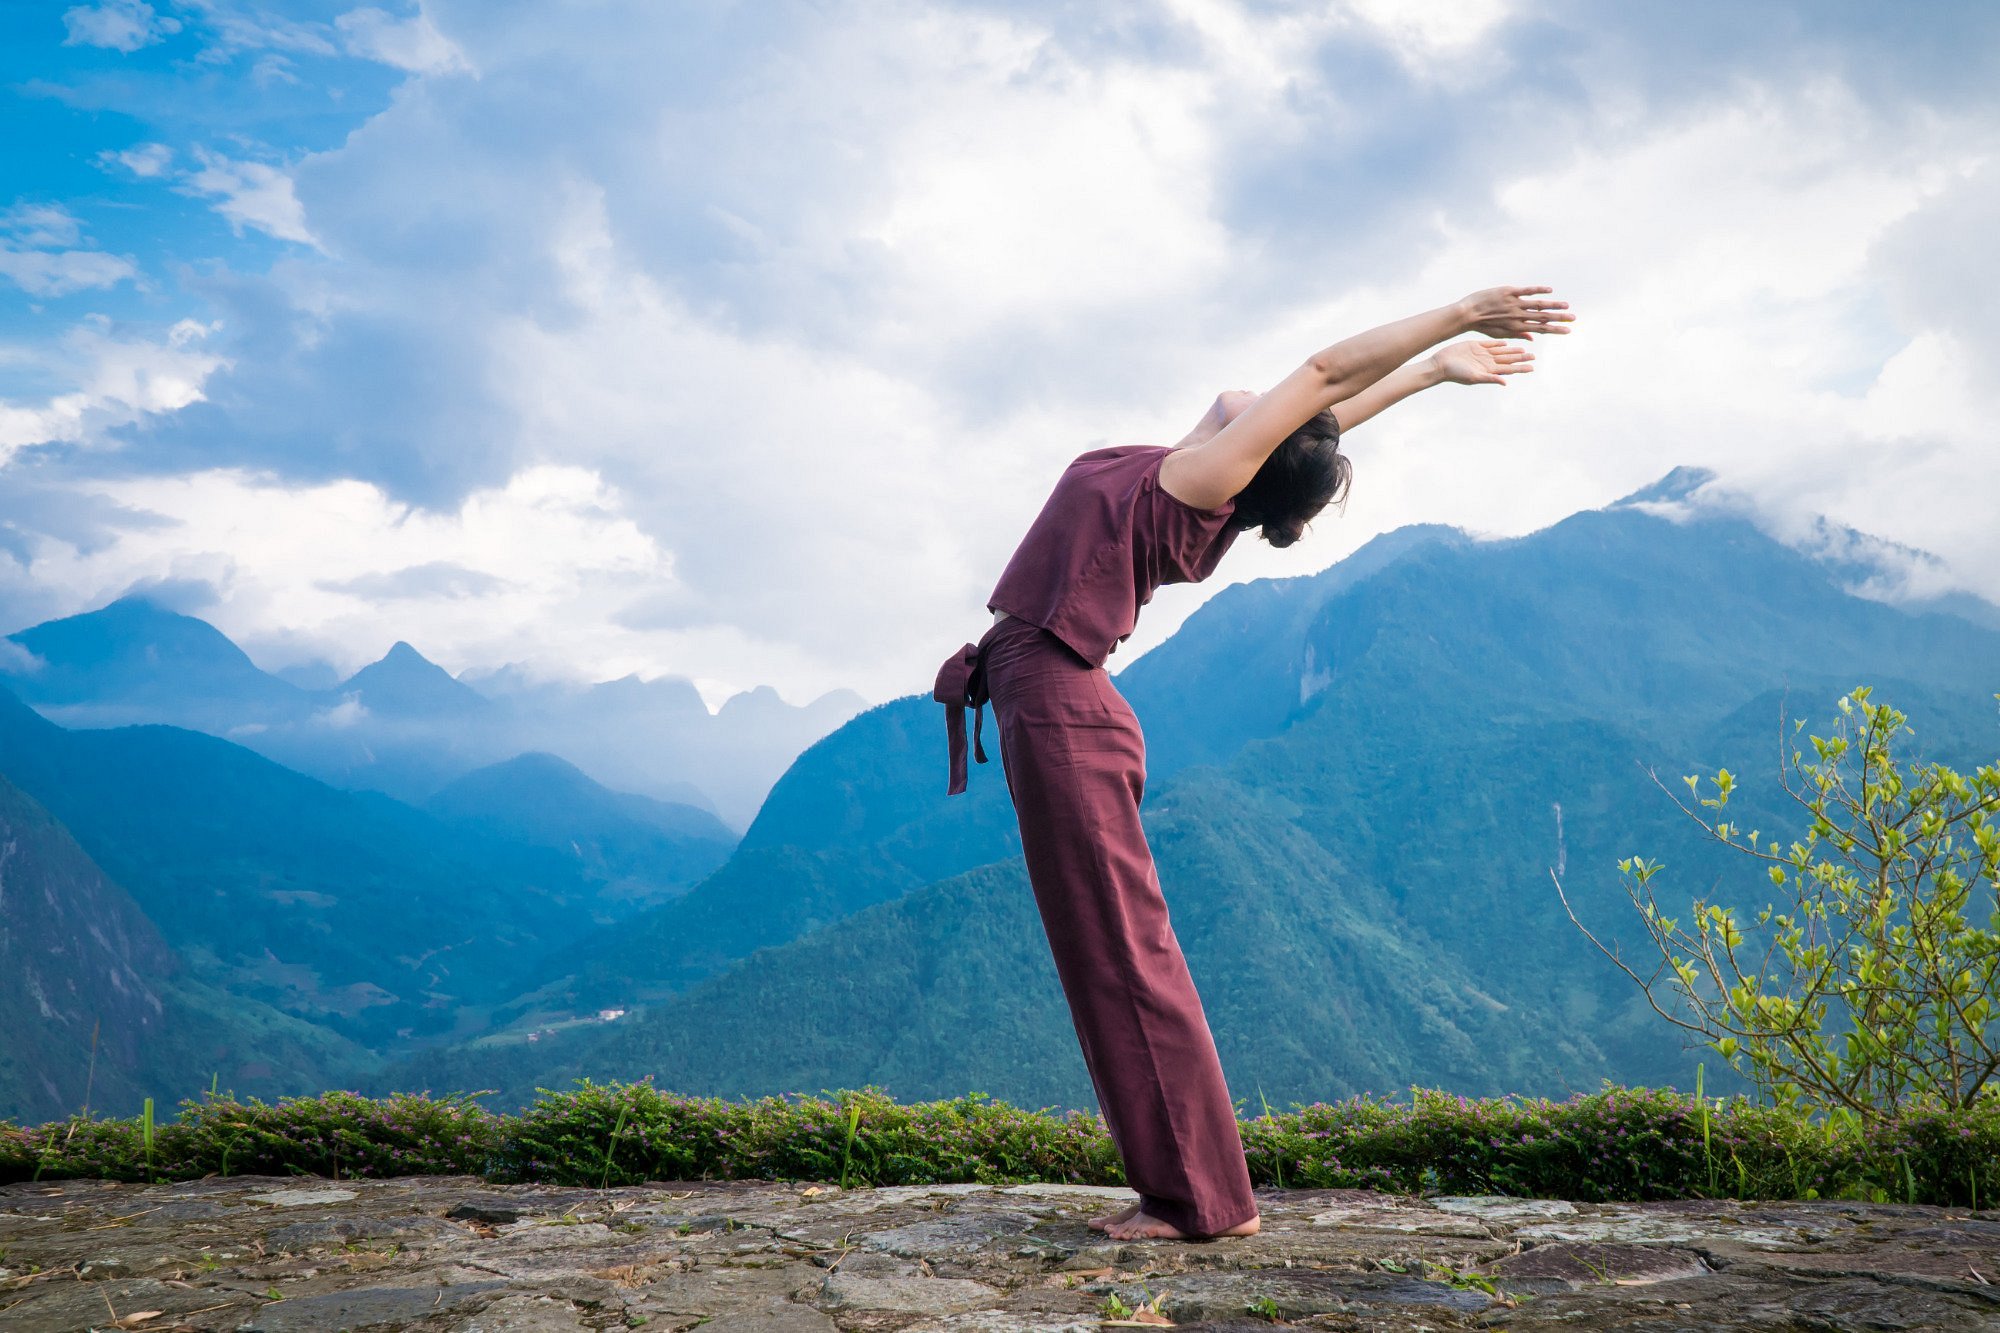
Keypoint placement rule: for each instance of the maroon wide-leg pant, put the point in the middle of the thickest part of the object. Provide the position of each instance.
(1075, 762)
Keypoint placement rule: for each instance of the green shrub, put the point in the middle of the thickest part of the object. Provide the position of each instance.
(1616, 1144)
(334, 1134)
(668, 1136)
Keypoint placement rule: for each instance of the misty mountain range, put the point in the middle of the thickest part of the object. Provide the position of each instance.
(403, 725)
(1358, 781)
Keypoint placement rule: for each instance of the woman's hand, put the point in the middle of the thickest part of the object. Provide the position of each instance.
(1514, 312)
(1480, 362)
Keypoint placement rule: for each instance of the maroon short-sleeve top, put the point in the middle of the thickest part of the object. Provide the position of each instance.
(1107, 537)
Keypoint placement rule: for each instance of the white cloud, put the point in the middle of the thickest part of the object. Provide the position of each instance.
(116, 380)
(1025, 192)
(273, 68)
(1731, 317)
(145, 160)
(121, 25)
(554, 552)
(250, 194)
(33, 257)
(412, 44)
(39, 273)
(18, 661)
(782, 474)
(1426, 36)
(344, 714)
(230, 27)
(41, 226)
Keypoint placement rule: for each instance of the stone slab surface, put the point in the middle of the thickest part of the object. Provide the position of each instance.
(459, 1255)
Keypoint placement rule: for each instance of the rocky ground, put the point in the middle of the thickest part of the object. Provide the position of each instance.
(458, 1254)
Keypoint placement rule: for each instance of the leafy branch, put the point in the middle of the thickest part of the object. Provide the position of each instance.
(1869, 986)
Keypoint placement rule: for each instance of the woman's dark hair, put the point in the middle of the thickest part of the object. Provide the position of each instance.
(1301, 477)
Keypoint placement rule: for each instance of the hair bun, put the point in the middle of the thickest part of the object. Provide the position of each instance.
(1283, 532)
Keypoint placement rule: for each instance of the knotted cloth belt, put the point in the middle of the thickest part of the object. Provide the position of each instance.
(961, 684)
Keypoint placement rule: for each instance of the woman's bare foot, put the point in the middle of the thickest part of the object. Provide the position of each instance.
(1104, 1220)
(1142, 1225)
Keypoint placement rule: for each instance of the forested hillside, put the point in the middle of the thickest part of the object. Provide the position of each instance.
(1359, 784)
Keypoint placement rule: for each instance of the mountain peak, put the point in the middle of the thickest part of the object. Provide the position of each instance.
(1678, 485)
(758, 701)
(405, 681)
(548, 766)
(136, 603)
(127, 613)
(403, 662)
(135, 648)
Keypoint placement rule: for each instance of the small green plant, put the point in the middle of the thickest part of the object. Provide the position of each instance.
(1114, 1308)
(1278, 1165)
(612, 1152)
(847, 1148)
(228, 1147)
(1462, 1280)
(1707, 1137)
(1264, 1308)
(90, 1076)
(147, 1124)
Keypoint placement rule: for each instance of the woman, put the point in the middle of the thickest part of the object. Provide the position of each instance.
(1119, 523)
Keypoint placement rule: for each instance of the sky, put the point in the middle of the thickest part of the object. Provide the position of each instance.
(742, 341)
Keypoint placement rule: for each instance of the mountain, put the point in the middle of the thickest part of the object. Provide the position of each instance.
(132, 658)
(1618, 614)
(402, 725)
(1418, 734)
(1250, 660)
(348, 909)
(1311, 986)
(858, 819)
(97, 1009)
(1614, 613)
(405, 683)
(637, 735)
(638, 847)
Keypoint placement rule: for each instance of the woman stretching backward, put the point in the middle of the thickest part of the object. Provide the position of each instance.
(1119, 523)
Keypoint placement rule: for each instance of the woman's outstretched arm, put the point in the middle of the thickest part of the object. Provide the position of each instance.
(1210, 473)
(1485, 362)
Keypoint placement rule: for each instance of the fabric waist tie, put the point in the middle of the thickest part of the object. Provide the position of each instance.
(961, 684)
